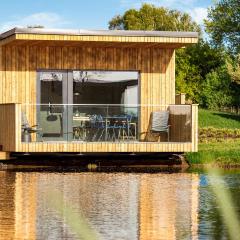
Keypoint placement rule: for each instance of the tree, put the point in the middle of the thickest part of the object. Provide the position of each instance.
(217, 89)
(223, 25)
(116, 23)
(149, 17)
(192, 66)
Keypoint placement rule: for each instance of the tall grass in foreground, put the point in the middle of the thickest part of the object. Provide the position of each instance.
(225, 203)
(77, 222)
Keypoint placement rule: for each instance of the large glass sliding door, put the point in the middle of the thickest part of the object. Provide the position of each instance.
(70, 100)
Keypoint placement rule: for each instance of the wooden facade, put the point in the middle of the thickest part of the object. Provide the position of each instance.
(20, 64)
(22, 55)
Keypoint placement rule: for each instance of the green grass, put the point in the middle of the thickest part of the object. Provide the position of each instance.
(219, 153)
(224, 152)
(218, 119)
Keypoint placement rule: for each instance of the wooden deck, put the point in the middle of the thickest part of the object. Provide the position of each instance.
(101, 147)
(10, 138)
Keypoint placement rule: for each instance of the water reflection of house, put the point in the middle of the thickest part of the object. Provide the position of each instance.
(169, 206)
(118, 206)
(7, 208)
(18, 205)
(108, 201)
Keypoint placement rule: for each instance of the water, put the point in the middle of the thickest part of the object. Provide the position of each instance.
(117, 205)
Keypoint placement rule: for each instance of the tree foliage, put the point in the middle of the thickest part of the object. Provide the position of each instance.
(217, 90)
(149, 17)
(234, 70)
(192, 66)
(223, 25)
(201, 70)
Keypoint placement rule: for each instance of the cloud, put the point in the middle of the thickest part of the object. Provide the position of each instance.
(46, 19)
(198, 14)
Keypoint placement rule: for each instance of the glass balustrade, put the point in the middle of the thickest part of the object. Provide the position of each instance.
(106, 123)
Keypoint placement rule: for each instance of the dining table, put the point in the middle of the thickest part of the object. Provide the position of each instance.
(113, 120)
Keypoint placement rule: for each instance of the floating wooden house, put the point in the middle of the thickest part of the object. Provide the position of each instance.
(79, 91)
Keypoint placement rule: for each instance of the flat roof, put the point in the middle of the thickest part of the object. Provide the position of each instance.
(83, 32)
(97, 38)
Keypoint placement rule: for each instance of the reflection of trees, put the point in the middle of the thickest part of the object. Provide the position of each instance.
(85, 76)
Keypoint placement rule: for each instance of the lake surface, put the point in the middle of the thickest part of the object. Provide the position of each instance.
(117, 205)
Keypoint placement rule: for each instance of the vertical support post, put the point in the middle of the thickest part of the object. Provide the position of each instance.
(194, 127)
(180, 98)
(18, 125)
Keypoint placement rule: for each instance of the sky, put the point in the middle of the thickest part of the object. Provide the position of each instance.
(84, 14)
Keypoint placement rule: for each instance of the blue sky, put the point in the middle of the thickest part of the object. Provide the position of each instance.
(84, 14)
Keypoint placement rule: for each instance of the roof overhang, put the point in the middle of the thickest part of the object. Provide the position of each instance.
(102, 38)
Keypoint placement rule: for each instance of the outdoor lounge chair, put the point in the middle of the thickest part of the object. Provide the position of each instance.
(27, 130)
(160, 122)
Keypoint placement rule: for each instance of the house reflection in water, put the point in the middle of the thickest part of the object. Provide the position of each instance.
(117, 205)
(18, 205)
(168, 206)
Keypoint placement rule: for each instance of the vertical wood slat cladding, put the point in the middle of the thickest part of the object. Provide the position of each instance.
(9, 126)
(180, 123)
(96, 147)
(19, 65)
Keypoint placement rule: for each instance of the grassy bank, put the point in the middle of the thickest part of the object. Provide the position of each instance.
(221, 144)
(218, 120)
(220, 153)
